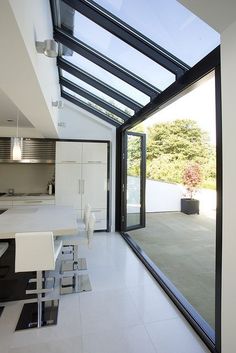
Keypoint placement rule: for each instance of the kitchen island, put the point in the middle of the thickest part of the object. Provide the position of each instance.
(57, 219)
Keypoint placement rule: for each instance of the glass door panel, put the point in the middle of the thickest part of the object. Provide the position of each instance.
(134, 186)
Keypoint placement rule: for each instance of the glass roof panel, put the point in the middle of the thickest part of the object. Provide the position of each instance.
(93, 105)
(97, 93)
(121, 53)
(169, 24)
(107, 78)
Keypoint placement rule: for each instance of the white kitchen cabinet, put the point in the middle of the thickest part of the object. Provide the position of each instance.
(84, 182)
(94, 152)
(68, 189)
(94, 180)
(68, 152)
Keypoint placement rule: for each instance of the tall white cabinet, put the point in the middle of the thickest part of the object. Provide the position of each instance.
(81, 178)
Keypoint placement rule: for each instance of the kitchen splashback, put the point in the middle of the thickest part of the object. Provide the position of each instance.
(25, 178)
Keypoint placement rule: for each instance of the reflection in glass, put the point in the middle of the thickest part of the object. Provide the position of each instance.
(133, 180)
(108, 78)
(93, 105)
(97, 93)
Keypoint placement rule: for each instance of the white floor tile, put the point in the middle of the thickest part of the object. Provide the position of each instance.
(126, 311)
(105, 309)
(153, 304)
(130, 340)
(70, 345)
(176, 336)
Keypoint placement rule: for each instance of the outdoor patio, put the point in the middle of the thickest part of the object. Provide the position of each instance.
(183, 248)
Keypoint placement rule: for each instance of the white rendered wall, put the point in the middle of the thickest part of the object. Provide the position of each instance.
(228, 60)
(163, 197)
(82, 125)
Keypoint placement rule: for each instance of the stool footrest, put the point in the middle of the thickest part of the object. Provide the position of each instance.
(71, 265)
(29, 315)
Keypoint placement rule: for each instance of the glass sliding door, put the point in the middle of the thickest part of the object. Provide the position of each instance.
(134, 183)
(179, 238)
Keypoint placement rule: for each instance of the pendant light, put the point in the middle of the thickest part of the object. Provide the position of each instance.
(17, 142)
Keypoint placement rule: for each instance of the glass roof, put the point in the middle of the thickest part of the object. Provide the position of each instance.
(86, 101)
(122, 53)
(108, 78)
(98, 93)
(169, 24)
(125, 52)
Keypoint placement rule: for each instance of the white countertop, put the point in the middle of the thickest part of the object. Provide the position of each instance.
(58, 219)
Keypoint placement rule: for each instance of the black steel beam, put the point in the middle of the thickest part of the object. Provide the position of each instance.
(89, 109)
(103, 87)
(107, 64)
(93, 98)
(129, 35)
(204, 66)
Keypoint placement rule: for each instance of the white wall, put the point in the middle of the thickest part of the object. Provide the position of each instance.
(228, 60)
(163, 197)
(82, 125)
(23, 132)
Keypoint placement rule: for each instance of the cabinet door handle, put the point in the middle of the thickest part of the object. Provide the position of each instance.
(83, 187)
(94, 162)
(79, 187)
(68, 162)
(33, 201)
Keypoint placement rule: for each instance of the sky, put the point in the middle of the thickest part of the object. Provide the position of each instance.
(166, 22)
(198, 105)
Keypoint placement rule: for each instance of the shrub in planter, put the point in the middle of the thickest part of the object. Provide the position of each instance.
(192, 178)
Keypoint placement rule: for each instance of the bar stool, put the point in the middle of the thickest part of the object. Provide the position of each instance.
(71, 245)
(37, 251)
(72, 280)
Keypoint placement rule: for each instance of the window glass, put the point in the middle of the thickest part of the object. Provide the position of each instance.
(181, 194)
(98, 93)
(169, 24)
(108, 78)
(93, 105)
(121, 53)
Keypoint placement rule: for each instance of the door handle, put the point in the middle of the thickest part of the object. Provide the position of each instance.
(79, 188)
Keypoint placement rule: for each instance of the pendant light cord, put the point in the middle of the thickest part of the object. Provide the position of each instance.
(17, 122)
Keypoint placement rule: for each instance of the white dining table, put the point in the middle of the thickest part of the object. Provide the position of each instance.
(58, 219)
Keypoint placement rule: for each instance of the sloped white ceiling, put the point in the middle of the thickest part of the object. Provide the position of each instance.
(27, 78)
(219, 14)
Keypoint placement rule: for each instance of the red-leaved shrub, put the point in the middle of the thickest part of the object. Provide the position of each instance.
(192, 178)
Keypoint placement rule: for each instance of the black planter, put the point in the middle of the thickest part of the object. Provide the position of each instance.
(190, 206)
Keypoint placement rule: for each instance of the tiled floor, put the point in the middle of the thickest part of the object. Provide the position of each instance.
(183, 248)
(126, 312)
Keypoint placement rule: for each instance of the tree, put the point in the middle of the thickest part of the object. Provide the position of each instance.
(181, 139)
(192, 178)
(171, 147)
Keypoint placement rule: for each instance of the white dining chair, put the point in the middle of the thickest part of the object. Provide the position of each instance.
(37, 251)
